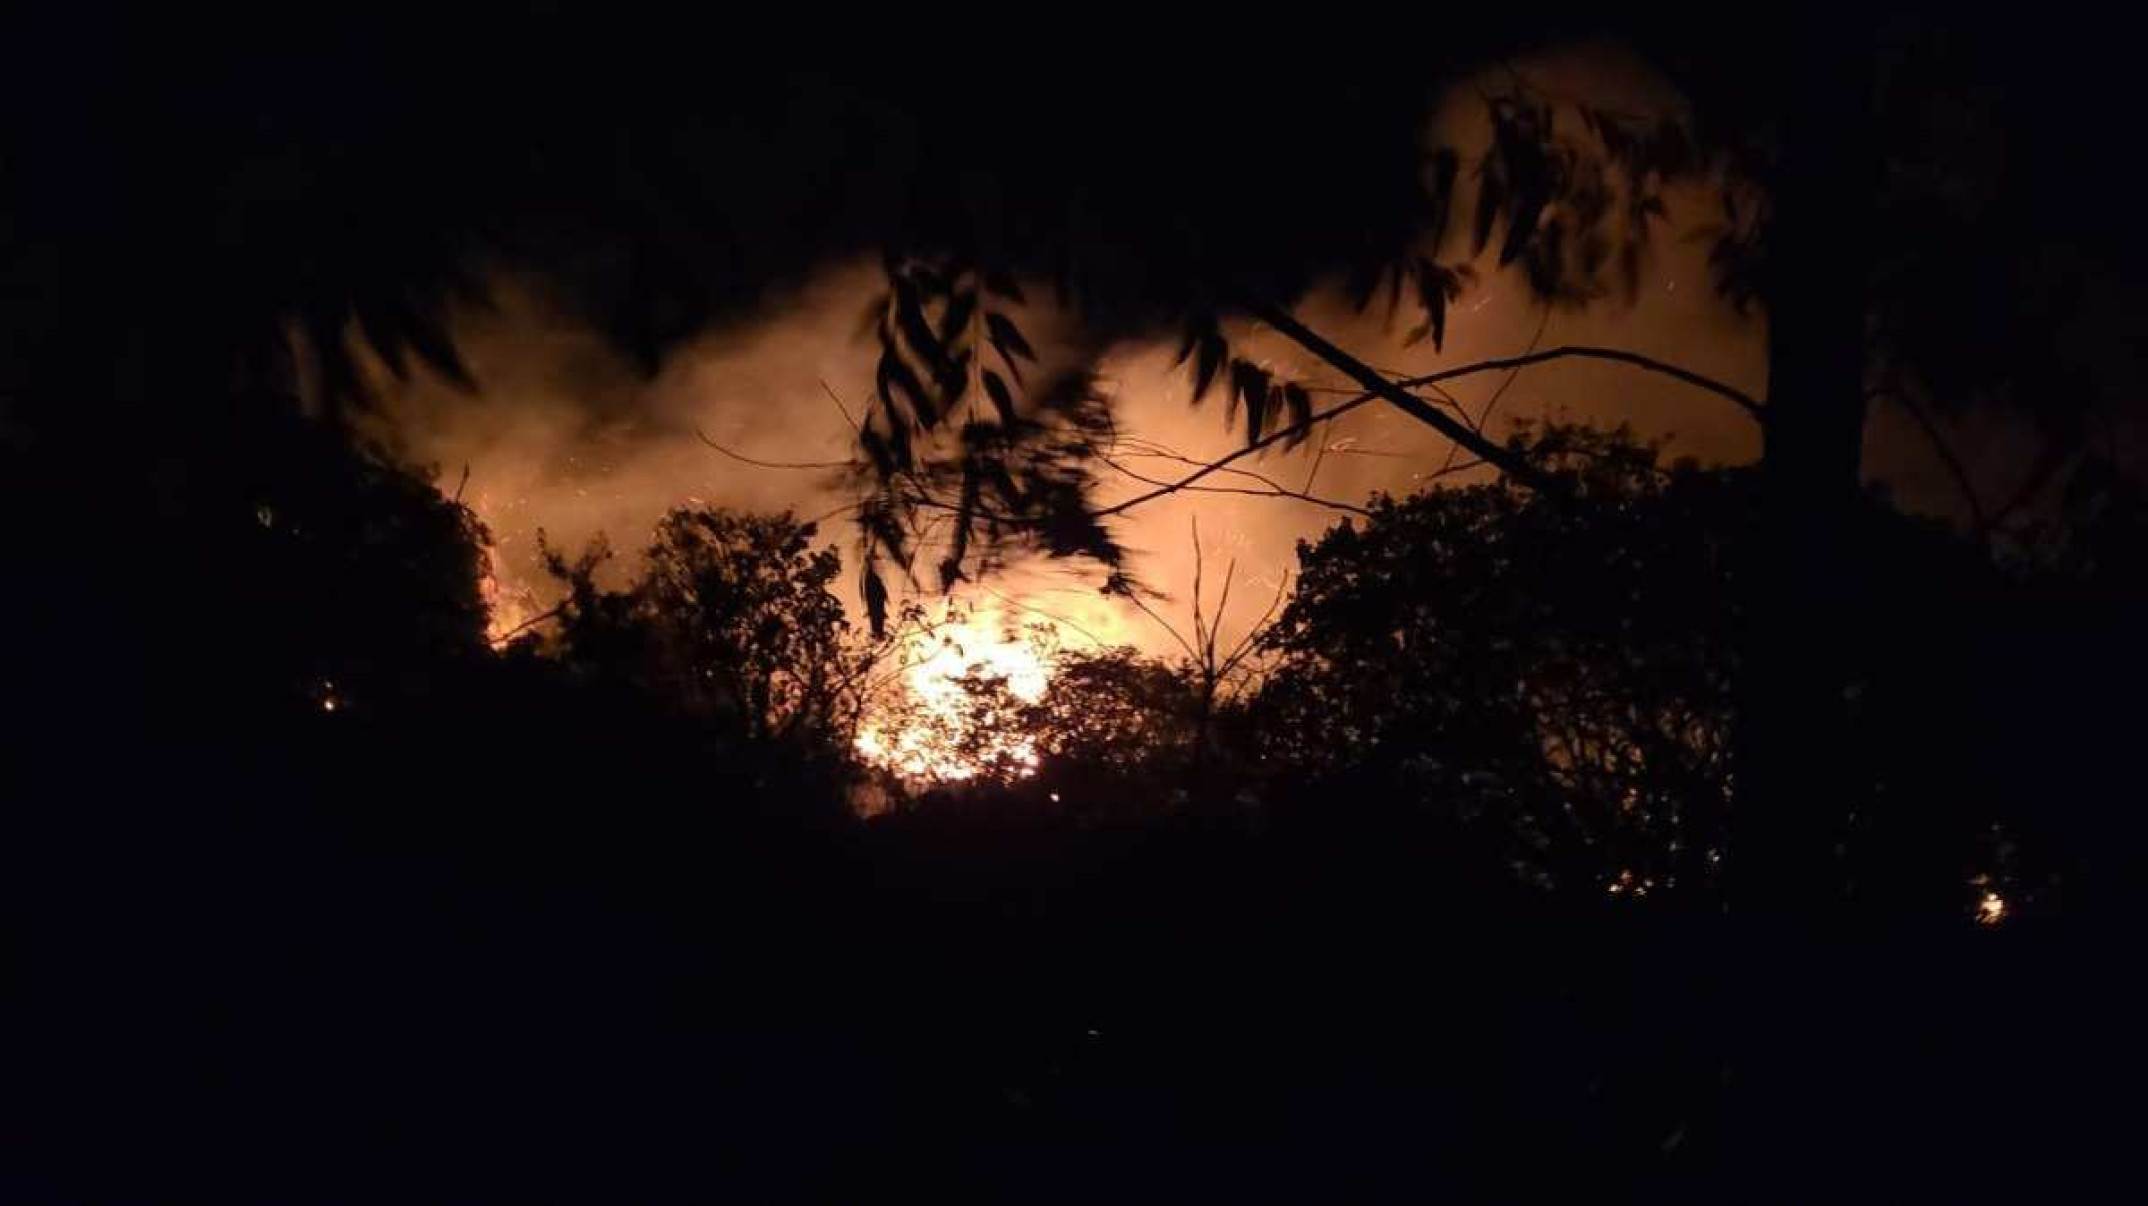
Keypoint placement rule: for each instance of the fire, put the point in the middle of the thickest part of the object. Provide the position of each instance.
(924, 724)
(931, 729)
(509, 608)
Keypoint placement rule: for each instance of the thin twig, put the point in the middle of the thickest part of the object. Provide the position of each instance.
(1393, 394)
(1319, 459)
(1945, 451)
(1484, 416)
(1260, 626)
(833, 397)
(532, 622)
(1502, 460)
(761, 464)
(1449, 471)
(1199, 637)
(1223, 602)
(1150, 612)
(1094, 639)
(1274, 490)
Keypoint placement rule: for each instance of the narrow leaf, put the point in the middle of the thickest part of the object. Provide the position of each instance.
(1212, 353)
(1002, 398)
(1006, 337)
(955, 323)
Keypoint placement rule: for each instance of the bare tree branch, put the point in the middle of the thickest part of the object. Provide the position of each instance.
(1253, 634)
(1164, 624)
(1578, 351)
(1395, 395)
(1484, 415)
(837, 399)
(1274, 490)
(1945, 451)
(1218, 465)
(526, 625)
(1501, 457)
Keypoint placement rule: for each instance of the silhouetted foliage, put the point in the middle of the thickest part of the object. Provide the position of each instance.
(366, 579)
(1114, 713)
(1114, 734)
(998, 454)
(729, 621)
(1553, 673)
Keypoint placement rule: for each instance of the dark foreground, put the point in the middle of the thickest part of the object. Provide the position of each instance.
(263, 1008)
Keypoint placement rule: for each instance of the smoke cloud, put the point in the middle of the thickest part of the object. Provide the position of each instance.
(563, 436)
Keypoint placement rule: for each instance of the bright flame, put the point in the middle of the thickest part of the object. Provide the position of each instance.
(508, 609)
(1991, 910)
(931, 731)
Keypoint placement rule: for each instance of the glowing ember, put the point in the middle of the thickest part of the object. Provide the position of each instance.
(1991, 910)
(933, 729)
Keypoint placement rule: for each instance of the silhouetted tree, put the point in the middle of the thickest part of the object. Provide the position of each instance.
(1551, 672)
(367, 576)
(1116, 734)
(730, 621)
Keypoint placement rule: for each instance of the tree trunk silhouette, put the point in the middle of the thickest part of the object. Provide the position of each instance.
(1791, 756)
(1792, 791)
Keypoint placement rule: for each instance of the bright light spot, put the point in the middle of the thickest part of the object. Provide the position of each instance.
(1991, 910)
(1055, 797)
(509, 610)
(932, 732)
(328, 705)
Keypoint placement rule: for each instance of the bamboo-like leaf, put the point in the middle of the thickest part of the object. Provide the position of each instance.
(896, 377)
(1213, 351)
(955, 322)
(910, 316)
(428, 335)
(1298, 405)
(878, 452)
(876, 602)
(1007, 337)
(899, 446)
(1250, 385)
(1002, 398)
(382, 328)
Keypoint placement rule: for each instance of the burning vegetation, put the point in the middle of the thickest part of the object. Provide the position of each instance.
(1541, 676)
